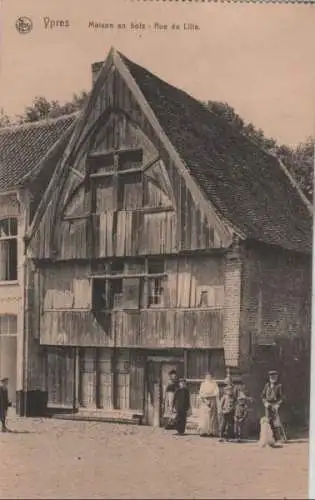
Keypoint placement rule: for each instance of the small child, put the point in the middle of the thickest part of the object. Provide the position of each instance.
(241, 412)
(227, 409)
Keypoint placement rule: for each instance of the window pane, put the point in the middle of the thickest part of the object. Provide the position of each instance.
(12, 260)
(4, 228)
(130, 159)
(13, 227)
(156, 266)
(8, 260)
(8, 324)
(131, 293)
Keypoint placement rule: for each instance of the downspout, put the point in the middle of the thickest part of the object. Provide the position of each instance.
(22, 199)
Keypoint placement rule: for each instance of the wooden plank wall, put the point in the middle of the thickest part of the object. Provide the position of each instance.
(156, 329)
(190, 229)
(67, 316)
(75, 328)
(65, 287)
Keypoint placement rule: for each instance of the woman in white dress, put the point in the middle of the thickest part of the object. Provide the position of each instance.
(209, 398)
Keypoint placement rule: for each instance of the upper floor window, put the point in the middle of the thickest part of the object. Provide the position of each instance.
(8, 249)
(116, 181)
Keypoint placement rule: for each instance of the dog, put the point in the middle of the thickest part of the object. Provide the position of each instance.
(266, 437)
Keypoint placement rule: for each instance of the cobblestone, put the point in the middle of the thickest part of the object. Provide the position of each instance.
(46, 458)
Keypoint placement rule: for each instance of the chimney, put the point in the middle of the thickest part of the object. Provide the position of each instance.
(96, 68)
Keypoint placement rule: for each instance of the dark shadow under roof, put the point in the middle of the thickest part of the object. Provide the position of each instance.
(22, 147)
(245, 184)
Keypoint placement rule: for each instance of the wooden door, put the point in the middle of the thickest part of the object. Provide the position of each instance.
(88, 377)
(157, 378)
(60, 377)
(105, 378)
(153, 393)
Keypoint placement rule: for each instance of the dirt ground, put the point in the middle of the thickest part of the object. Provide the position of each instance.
(65, 459)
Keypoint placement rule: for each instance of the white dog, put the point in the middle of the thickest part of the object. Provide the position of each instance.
(266, 436)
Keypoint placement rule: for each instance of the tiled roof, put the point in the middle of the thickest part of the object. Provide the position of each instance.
(22, 147)
(245, 184)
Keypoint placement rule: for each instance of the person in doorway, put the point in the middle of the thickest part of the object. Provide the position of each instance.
(4, 402)
(272, 399)
(172, 386)
(240, 415)
(181, 406)
(209, 396)
(227, 409)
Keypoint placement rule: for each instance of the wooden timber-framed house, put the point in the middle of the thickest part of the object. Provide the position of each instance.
(165, 239)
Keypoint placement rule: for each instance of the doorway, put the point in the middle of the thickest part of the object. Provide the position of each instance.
(8, 360)
(157, 378)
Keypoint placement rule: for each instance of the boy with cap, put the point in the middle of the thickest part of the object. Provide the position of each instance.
(272, 400)
(4, 402)
(241, 412)
(227, 409)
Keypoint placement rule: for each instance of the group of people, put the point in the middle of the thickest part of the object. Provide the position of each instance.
(223, 416)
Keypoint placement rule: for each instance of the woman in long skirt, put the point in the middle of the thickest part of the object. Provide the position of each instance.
(209, 395)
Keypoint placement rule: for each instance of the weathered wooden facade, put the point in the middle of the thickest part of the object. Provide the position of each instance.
(138, 266)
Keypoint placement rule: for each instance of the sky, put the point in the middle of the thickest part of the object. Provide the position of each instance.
(257, 57)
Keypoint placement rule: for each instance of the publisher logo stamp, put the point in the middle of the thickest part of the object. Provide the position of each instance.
(24, 25)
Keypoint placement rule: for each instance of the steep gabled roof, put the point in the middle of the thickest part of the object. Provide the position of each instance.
(23, 147)
(248, 186)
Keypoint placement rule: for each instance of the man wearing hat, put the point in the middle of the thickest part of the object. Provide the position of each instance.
(181, 406)
(272, 399)
(4, 402)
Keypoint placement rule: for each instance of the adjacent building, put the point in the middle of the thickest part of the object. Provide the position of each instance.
(164, 239)
(22, 151)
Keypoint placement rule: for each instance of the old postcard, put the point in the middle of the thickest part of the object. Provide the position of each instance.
(156, 214)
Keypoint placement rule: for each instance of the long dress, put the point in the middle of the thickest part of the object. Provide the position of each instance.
(208, 419)
(168, 414)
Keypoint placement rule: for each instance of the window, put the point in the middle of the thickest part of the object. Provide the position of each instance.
(156, 266)
(204, 299)
(116, 181)
(116, 294)
(100, 296)
(8, 249)
(131, 299)
(156, 292)
(131, 159)
(117, 267)
(8, 325)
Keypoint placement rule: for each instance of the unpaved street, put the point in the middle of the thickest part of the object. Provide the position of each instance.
(64, 459)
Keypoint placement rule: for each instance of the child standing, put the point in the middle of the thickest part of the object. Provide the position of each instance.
(241, 412)
(227, 410)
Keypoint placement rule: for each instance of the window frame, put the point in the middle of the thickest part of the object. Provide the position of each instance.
(14, 238)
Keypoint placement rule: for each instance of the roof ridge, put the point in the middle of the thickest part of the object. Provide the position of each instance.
(239, 133)
(38, 123)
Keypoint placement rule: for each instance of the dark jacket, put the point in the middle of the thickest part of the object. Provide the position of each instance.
(4, 400)
(272, 394)
(227, 403)
(181, 401)
(241, 411)
(172, 387)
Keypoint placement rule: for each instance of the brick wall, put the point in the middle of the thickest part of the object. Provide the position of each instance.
(275, 325)
(232, 304)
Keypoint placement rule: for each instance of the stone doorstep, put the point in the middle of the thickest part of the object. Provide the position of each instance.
(116, 416)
